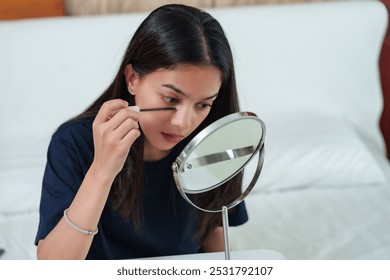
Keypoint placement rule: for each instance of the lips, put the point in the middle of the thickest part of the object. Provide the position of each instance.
(172, 138)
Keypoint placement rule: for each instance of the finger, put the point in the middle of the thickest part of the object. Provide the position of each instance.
(130, 137)
(109, 109)
(123, 115)
(124, 128)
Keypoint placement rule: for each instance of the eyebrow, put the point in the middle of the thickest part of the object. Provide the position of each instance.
(179, 91)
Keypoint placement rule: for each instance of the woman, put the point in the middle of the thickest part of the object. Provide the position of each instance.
(108, 190)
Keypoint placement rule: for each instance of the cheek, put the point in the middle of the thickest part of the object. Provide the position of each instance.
(151, 122)
(199, 119)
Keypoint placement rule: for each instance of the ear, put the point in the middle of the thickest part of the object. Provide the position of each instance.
(131, 78)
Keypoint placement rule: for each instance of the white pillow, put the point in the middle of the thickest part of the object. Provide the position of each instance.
(310, 150)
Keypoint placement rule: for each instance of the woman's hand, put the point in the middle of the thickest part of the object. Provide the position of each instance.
(115, 129)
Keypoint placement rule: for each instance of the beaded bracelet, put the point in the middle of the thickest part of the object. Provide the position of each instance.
(84, 231)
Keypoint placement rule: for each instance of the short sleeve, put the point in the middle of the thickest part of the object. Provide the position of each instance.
(239, 216)
(69, 156)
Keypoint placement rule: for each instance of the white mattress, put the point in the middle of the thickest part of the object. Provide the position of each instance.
(323, 223)
(17, 234)
(319, 224)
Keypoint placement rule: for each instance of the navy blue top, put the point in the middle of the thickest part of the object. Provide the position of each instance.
(169, 221)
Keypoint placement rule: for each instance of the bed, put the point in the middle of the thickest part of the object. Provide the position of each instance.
(310, 71)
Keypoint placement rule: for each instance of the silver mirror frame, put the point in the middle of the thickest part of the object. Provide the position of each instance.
(179, 165)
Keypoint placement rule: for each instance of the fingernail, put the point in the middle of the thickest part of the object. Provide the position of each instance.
(134, 108)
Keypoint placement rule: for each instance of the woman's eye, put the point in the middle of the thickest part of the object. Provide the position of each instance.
(169, 99)
(204, 106)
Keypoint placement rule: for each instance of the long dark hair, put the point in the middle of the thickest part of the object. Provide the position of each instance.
(170, 36)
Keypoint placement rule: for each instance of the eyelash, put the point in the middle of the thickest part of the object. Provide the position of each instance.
(170, 100)
(204, 106)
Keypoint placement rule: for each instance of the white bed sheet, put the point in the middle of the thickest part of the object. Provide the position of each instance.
(328, 224)
(348, 223)
(319, 224)
(17, 234)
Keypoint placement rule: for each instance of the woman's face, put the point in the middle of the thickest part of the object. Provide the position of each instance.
(190, 89)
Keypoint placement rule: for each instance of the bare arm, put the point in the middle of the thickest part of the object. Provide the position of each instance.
(114, 131)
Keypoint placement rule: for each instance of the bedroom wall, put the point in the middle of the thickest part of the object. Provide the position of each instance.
(17, 9)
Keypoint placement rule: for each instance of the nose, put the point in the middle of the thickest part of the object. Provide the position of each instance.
(183, 118)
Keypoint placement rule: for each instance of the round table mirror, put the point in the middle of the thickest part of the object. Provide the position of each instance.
(231, 147)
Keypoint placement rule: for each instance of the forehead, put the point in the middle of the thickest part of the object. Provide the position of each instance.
(188, 78)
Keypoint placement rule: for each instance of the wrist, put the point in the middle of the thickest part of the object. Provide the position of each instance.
(101, 175)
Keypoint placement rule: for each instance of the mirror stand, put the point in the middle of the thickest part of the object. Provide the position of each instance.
(225, 223)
